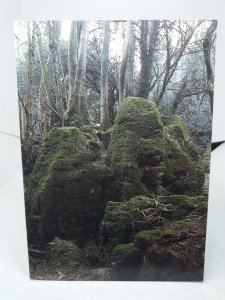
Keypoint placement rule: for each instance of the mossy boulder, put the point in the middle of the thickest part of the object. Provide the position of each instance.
(126, 260)
(174, 251)
(123, 219)
(64, 254)
(184, 172)
(65, 195)
(149, 153)
(136, 145)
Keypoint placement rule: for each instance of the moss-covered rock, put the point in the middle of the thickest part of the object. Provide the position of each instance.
(174, 251)
(184, 172)
(123, 219)
(136, 146)
(146, 238)
(64, 254)
(65, 195)
(149, 153)
(126, 255)
(126, 260)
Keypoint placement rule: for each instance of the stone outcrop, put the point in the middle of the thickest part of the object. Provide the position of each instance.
(174, 251)
(141, 200)
(149, 153)
(65, 196)
(123, 219)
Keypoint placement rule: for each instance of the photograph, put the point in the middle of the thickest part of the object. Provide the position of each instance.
(115, 130)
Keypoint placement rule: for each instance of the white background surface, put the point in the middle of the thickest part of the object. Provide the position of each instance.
(14, 277)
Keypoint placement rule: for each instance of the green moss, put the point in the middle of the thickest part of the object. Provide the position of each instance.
(126, 261)
(64, 254)
(130, 189)
(122, 220)
(175, 127)
(152, 152)
(179, 206)
(176, 243)
(136, 140)
(184, 173)
(89, 132)
(65, 196)
(78, 114)
(126, 255)
(161, 235)
(144, 239)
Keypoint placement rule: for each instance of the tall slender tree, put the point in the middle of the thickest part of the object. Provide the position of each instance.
(207, 48)
(77, 109)
(104, 112)
(53, 31)
(148, 42)
(51, 101)
(72, 55)
(123, 66)
(28, 130)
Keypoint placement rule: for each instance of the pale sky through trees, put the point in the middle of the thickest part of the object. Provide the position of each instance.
(178, 69)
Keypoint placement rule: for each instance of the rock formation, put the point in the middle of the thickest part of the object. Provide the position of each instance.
(140, 199)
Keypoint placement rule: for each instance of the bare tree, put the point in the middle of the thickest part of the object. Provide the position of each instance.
(162, 59)
(174, 53)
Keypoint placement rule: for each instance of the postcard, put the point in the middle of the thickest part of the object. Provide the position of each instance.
(115, 124)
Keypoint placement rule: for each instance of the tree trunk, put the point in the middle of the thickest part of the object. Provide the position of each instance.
(148, 48)
(42, 113)
(45, 76)
(123, 67)
(207, 45)
(78, 105)
(29, 97)
(72, 56)
(104, 113)
(54, 29)
(44, 67)
(130, 68)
